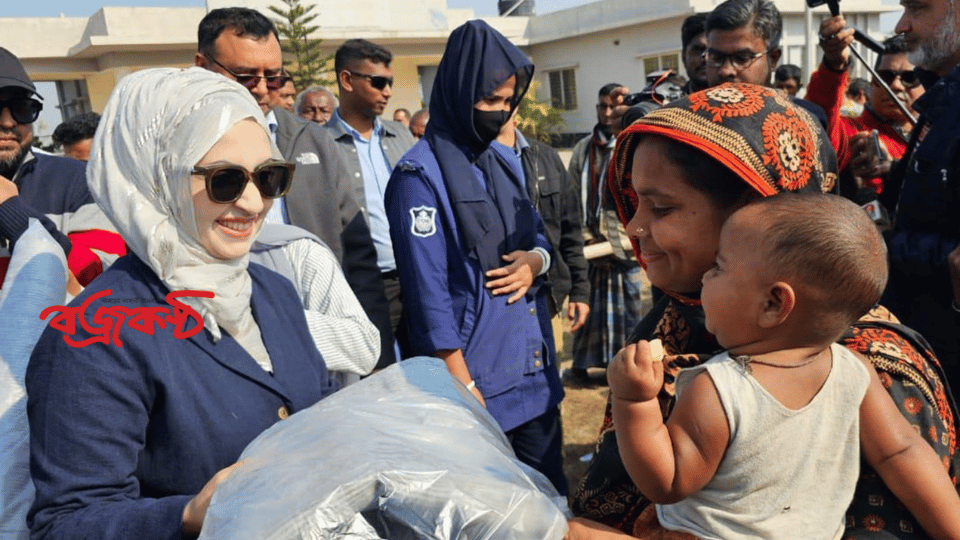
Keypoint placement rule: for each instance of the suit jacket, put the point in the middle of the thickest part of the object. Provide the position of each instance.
(395, 142)
(322, 201)
(122, 437)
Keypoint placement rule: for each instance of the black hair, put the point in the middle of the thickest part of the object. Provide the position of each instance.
(829, 244)
(725, 190)
(242, 21)
(787, 72)
(896, 44)
(607, 88)
(858, 86)
(761, 15)
(692, 27)
(80, 127)
(355, 50)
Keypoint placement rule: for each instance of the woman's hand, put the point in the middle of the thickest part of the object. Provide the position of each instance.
(516, 277)
(196, 509)
(634, 375)
(835, 39)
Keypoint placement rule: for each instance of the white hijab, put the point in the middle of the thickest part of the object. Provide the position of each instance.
(156, 126)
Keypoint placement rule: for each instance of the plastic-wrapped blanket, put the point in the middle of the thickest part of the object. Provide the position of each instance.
(405, 454)
(36, 279)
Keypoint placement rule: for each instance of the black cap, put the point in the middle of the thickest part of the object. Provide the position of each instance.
(12, 73)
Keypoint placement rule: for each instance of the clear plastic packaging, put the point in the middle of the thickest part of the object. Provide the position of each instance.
(405, 454)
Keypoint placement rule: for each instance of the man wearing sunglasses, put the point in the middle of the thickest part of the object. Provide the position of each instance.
(372, 146)
(243, 45)
(51, 189)
(743, 45)
(924, 245)
(827, 87)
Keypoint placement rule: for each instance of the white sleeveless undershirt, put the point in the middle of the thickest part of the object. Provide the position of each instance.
(787, 474)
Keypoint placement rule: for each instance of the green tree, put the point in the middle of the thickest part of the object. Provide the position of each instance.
(303, 56)
(537, 119)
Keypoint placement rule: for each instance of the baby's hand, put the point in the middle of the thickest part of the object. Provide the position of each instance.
(636, 373)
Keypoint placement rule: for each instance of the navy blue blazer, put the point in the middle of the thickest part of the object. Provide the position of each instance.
(123, 437)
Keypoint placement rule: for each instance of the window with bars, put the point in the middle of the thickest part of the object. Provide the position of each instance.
(663, 61)
(563, 89)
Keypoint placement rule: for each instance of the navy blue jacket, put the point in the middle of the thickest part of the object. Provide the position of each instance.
(123, 437)
(508, 348)
(927, 226)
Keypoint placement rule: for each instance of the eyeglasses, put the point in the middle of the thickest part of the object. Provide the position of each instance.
(23, 110)
(226, 181)
(274, 82)
(909, 78)
(740, 60)
(377, 81)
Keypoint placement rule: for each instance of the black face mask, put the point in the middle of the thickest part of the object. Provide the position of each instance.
(488, 123)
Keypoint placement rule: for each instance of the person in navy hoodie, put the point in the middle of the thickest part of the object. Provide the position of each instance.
(136, 415)
(471, 249)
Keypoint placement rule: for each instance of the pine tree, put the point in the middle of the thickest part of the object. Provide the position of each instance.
(308, 66)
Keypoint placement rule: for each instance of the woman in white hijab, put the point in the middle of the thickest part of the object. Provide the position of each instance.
(134, 410)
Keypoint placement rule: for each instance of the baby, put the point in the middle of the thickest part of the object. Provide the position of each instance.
(765, 439)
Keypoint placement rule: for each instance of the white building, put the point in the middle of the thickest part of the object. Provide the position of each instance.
(576, 50)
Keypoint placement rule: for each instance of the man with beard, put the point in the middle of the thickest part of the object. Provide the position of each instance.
(743, 45)
(924, 289)
(881, 114)
(51, 189)
(615, 277)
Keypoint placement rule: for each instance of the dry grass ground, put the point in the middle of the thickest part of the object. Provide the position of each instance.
(582, 408)
(581, 413)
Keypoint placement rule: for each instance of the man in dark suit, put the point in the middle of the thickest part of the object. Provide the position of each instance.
(243, 45)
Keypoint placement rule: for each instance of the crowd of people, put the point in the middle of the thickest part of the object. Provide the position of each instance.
(236, 251)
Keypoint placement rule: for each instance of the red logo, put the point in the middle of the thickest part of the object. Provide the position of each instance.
(107, 321)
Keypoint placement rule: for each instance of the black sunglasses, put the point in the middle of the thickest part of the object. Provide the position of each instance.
(377, 81)
(248, 81)
(23, 110)
(909, 78)
(226, 181)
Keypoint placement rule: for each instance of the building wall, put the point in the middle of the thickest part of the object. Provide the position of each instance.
(602, 41)
(600, 58)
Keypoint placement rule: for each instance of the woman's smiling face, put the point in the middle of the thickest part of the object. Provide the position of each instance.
(227, 231)
(678, 226)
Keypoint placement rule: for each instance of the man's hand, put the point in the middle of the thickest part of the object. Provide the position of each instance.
(196, 510)
(953, 260)
(634, 375)
(835, 39)
(864, 161)
(619, 109)
(578, 312)
(7, 189)
(517, 276)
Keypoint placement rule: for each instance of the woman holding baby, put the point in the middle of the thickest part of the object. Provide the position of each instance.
(679, 174)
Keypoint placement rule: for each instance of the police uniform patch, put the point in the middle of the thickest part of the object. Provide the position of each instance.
(424, 221)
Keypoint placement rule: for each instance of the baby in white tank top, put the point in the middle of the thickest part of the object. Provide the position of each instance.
(765, 439)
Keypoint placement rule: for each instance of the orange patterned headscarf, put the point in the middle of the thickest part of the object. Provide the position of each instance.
(755, 131)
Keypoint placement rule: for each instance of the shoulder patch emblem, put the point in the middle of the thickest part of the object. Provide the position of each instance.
(424, 221)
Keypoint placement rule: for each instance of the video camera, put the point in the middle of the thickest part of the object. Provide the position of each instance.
(661, 89)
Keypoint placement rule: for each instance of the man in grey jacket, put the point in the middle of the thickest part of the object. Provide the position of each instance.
(372, 146)
(242, 44)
